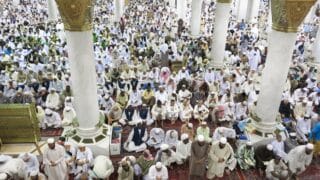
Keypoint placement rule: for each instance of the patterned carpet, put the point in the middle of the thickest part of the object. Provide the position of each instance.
(51, 132)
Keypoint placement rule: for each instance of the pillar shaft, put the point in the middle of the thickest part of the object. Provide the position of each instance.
(195, 21)
(287, 15)
(52, 10)
(118, 9)
(83, 77)
(242, 9)
(181, 9)
(316, 47)
(222, 16)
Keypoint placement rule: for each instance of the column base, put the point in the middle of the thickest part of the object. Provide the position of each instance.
(97, 141)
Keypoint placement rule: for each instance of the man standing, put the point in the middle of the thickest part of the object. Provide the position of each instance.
(219, 155)
(54, 163)
(199, 155)
(299, 158)
(183, 150)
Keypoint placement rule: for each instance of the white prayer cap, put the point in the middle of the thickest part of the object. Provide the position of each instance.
(67, 144)
(3, 176)
(203, 123)
(33, 173)
(81, 145)
(132, 159)
(50, 141)
(231, 104)
(304, 101)
(164, 147)
(52, 89)
(190, 125)
(223, 140)
(48, 111)
(309, 146)
(43, 89)
(157, 130)
(200, 138)
(249, 143)
(293, 134)
(67, 108)
(244, 102)
(270, 147)
(184, 136)
(158, 165)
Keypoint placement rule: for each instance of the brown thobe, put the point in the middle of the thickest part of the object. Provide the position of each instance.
(199, 155)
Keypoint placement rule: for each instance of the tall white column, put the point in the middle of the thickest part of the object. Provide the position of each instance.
(242, 10)
(182, 9)
(52, 10)
(254, 11)
(280, 49)
(118, 10)
(316, 47)
(15, 2)
(281, 42)
(222, 16)
(84, 83)
(172, 3)
(195, 21)
(78, 27)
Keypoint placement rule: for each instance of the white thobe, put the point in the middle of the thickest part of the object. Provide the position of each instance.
(14, 167)
(172, 111)
(68, 117)
(171, 141)
(186, 112)
(154, 173)
(161, 96)
(59, 171)
(155, 139)
(297, 158)
(278, 149)
(303, 128)
(84, 156)
(200, 112)
(53, 120)
(183, 150)
(273, 167)
(53, 101)
(102, 168)
(32, 165)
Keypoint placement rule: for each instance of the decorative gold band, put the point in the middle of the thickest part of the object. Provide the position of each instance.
(224, 1)
(287, 15)
(77, 15)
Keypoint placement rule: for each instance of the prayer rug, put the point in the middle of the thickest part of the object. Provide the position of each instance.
(51, 132)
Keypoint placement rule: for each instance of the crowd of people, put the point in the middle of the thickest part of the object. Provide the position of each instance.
(150, 71)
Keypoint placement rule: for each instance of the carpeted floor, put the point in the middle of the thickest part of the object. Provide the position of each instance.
(51, 132)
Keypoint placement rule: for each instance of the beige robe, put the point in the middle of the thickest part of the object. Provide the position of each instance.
(214, 167)
(59, 171)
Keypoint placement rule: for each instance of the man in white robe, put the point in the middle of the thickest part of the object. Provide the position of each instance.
(219, 158)
(136, 139)
(166, 155)
(200, 111)
(102, 168)
(69, 114)
(303, 128)
(172, 111)
(12, 168)
(158, 172)
(31, 162)
(54, 163)
(156, 137)
(276, 169)
(84, 160)
(51, 119)
(171, 138)
(220, 132)
(53, 100)
(183, 149)
(299, 158)
(278, 147)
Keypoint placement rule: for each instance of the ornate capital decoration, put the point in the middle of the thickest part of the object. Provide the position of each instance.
(223, 1)
(287, 15)
(77, 15)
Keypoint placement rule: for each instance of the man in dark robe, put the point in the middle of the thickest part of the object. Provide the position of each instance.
(263, 153)
(137, 138)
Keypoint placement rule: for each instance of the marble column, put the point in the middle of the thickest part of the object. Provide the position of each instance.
(52, 10)
(242, 10)
(118, 10)
(222, 15)
(182, 9)
(281, 42)
(195, 21)
(316, 48)
(172, 4)
(311, 15)
(78, 27)
(15, 2)
(253, 10)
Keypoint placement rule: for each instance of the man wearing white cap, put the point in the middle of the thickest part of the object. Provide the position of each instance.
(156, 138)
(199, 155)
(277, 169)
(171, 138)
(299, 158)
(137, 138)
(51, 119)
(263, 153)
(84, 159)
(69, 114)
(54, 163)
(204, 130)
(125, 170)
(31, 162)
(102, 167)
(166, 155)
(200, 111)
(187, 128)
(53, 100)
(158, 172)
(303, 128)
(183, 149)
(245, 156)
(219, 155)
(172, 110)
(300, 108)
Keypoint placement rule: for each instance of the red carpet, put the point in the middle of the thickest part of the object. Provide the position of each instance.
(51, 132)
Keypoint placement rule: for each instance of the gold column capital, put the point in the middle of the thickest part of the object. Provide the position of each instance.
(287, 15)
(223, 1)
(77, 15)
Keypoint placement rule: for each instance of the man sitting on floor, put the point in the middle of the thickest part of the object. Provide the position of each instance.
(137, 138)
